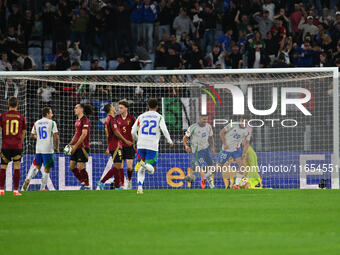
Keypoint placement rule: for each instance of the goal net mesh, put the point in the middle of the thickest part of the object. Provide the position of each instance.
(294, 150)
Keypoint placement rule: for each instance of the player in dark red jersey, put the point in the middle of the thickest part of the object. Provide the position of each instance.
(114, 139)
(81, 144)
(125, 122)
(14, 127)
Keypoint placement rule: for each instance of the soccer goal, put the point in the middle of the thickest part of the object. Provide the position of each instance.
(292, 114)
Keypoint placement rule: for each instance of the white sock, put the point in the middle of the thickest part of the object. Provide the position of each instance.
(31, 173)
(141, 177)
(149, 168)
(207, 174)
(238, 178)
(44, 180)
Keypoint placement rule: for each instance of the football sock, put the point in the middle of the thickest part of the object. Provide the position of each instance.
(108, 175)
(76, 173)
(238, 179)
(141, 176)
(2, 179)
(121, 177)
(129, 173)
(117, 178)
(31, 173)
(44, 180)
(16, 179)
(84, 177)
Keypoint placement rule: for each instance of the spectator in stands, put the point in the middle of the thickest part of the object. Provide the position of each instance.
(265, 23)
(326, 17)
(80, 24)
(172, 59)
(27, 25)
(27, 62)
(235, 58)
(324, 60)
(4, 64)
(124, 27)
(327, 44)
(270, 7)
(286, 46)
(194, 59)
(295, 19)
(150, 11)
(15, 18)
(308, 27)
(109, 38)
(225, 39)
(216, 58)
(47, 21)
(11, 88)
(280, 62)
(282, 16)
(183, 23)
(271, 47)
(95, 65)
(336, 54)
(45, 93)
(209, 19)
(278, 30)
(303, 55)
(161, 52)
(256, 57)
(37, 28)
(142, 56)
(165, 18)
(257, 40)
(63, 62)
(74, 51)
(75, 66)
(136, 22)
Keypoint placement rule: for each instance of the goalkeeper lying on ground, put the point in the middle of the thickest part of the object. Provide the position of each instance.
(250, 171)
(252, 177)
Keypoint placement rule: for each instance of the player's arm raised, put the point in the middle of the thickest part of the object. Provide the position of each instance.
(165, 132)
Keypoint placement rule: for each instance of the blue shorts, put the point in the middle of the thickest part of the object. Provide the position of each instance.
(148, 156)
(202, 158)
(224, 156)
(46, 159)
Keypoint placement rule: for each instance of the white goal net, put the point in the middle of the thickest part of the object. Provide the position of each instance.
(292, 116)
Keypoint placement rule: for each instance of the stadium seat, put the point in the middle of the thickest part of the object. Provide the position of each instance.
(35, 53)
(113, 65)
(49, 58)
(102, 63)
(85, 65)
(48, 44)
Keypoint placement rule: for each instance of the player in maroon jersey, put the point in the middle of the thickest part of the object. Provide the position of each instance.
(14, 127)
(125, 122)
(81, 144)
(114, 139)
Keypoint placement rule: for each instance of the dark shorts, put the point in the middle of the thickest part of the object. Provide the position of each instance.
(81, 155)
(117, 155)
(128, 152)
(8, 155)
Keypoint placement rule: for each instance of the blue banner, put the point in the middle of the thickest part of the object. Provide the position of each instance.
(277, 170)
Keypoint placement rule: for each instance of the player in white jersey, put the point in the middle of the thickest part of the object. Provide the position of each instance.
(45, 131)
(233, 136)
(201, 138)
(147, 131)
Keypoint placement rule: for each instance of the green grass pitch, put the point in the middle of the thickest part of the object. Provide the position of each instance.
(171, 222)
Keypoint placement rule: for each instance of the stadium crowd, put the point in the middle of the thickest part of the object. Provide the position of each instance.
(168, 34)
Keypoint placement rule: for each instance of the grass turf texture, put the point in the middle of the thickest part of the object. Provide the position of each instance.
(171, 222)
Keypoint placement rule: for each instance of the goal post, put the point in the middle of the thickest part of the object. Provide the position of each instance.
(293, 117)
